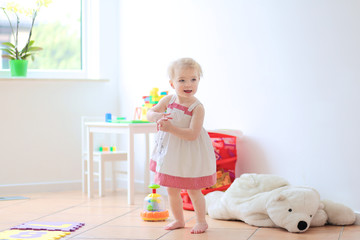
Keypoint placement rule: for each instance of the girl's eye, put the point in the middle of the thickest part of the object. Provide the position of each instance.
(194, 79)
(181, 80)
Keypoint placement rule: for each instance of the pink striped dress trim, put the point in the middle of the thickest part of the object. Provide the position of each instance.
(182, 182)
(180, 107)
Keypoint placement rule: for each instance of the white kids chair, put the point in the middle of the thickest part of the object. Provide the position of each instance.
(99, 158)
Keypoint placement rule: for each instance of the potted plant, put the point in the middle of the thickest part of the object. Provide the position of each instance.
(18, 58)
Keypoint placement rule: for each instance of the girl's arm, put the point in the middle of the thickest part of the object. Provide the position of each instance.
(190, 133)
(157, 112)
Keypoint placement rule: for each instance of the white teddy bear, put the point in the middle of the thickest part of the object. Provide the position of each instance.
(269, 201)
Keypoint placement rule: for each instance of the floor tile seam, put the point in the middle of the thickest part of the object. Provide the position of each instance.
(162, 236)
(166, 233)
(70, 237)
(157, 227)
(16, 203)
(341, 232)
(256, 230)
(219, 227)
(169, 231)
(233, 228)
(190, 219)
(56, 212)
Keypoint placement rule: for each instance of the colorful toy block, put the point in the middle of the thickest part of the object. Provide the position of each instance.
(50, 226)
(107, 149)
(31, 234)
(108, 117)
(149, 102)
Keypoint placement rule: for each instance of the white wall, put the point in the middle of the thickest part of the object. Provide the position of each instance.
(284, 72)
(40, 120)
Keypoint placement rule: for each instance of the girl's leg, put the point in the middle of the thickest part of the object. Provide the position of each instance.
(176, 209)
(198, 201)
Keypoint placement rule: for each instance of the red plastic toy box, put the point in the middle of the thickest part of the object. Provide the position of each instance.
(226, 157)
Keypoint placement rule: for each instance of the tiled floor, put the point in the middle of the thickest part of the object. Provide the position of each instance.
(111, 218)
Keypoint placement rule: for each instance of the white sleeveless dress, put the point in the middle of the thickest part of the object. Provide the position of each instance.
(180, 163)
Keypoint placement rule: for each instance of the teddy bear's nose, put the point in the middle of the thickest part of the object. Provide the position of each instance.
(302, 225)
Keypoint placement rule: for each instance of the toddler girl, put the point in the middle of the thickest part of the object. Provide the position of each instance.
(183, 157)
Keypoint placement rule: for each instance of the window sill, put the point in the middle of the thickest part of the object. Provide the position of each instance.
(52, 75)
(63, 76)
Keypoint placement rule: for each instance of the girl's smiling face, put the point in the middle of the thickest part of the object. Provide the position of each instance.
(185, 82)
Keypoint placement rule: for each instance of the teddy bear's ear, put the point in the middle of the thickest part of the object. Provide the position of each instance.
(280, 198)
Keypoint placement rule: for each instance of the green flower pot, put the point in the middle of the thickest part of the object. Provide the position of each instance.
(18, 68)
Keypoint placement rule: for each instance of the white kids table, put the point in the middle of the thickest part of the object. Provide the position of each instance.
(130, 129)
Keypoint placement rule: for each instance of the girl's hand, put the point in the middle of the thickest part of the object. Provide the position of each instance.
(157, 112)
(163, 124)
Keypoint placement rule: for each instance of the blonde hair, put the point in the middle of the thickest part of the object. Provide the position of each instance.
(184, 63)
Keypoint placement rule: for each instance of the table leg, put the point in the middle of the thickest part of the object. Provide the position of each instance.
(83, 167)
(131, 168)
(147, 159)
(90, 164)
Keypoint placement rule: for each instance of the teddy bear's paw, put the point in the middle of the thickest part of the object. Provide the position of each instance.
(339, 214)
(259, 220)
(319, 219)
(213, 204)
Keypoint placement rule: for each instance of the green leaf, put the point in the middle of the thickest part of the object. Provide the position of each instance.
(22, 55)
(9, 44)
(31, 43)
(8, 56)
(26, 56)
(8, 50)
(27, 46)
(34, 49)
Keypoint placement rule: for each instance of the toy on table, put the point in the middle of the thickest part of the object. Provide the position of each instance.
(123, 120)
(112, 119)
(108, 117)
(154, 206)
(140, 112)
(149, 102)
(107, 149)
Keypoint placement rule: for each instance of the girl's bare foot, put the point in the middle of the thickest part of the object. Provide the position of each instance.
(199, 228)
(175, 225)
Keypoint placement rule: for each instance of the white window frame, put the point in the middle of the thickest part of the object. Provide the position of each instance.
(89, 52)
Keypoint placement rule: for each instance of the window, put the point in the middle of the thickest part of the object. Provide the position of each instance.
(57, 29)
